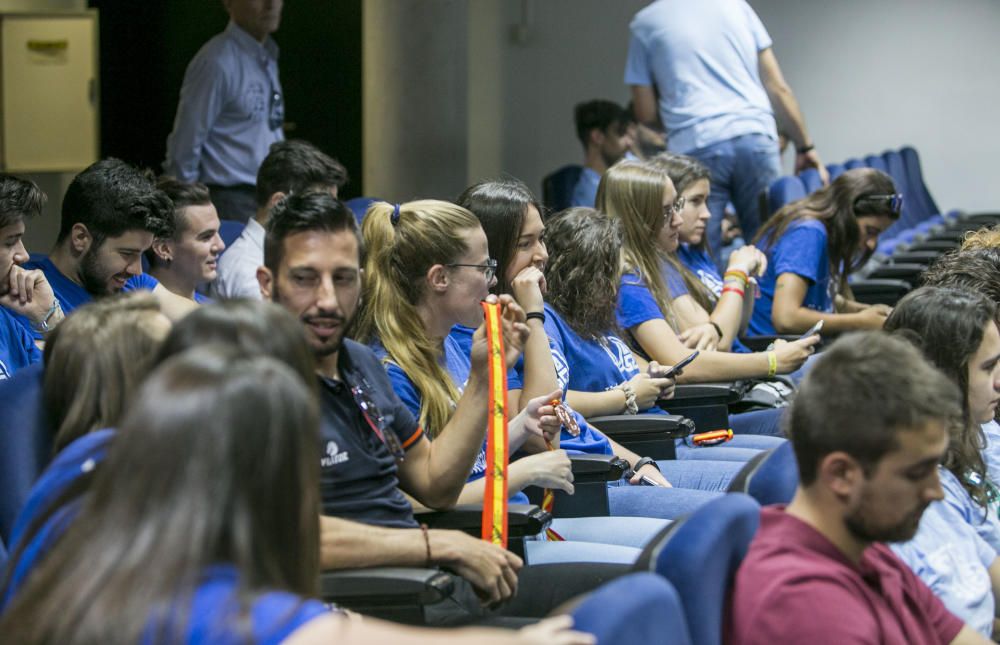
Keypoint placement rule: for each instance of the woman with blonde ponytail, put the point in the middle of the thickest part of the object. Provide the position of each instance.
(427, 269)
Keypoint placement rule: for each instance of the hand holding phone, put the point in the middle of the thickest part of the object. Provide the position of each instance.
(676, 368)
(815, 329)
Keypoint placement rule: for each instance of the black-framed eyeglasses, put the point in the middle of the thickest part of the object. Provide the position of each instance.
(672, 209)
(373, 417)
(878, 203)
(276, 111)
(489, 269)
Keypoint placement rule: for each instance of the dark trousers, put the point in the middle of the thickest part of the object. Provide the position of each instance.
(237, 203)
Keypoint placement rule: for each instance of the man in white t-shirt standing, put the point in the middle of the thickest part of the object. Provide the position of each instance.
(720, 90)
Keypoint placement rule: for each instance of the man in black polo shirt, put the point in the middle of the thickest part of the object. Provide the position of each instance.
(372, 446)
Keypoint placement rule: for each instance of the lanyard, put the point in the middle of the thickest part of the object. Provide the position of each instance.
(495, 500)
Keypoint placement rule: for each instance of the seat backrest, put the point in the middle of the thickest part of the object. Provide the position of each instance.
(25, 442)
(557, 187)
(770, 478)
(700, 554)
(785, 190)
(229, 230)
(835, 170)
(876, 162)
(637, 608)
(915, 176)
(811, 180)
(911, 214)
(359, 206)
(853, 163)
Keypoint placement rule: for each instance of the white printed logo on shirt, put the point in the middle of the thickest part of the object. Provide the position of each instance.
(621, 355)
(333, 455)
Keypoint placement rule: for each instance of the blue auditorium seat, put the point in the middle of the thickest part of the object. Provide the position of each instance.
(229, 230)
(921, 198)
(700, 554)
(785, 190)
(359, 206)
(770, 477)
(25, 442)
(853, 163)
(557, 187)
(637, 608)
(876, 162)
(811, 180)
(835, 170)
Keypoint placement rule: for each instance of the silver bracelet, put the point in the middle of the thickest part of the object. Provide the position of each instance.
(631, 406)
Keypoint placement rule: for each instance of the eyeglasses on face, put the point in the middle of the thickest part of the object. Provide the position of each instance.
(672, 209)
(489, 269)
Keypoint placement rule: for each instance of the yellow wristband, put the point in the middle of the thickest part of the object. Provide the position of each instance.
(772, 364)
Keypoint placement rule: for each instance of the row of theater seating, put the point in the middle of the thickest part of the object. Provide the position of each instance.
(921, 234)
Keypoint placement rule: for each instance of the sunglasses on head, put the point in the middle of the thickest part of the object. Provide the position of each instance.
(878, 203)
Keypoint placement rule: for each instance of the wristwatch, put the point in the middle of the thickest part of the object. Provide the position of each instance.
(42, 326)
(646, 461)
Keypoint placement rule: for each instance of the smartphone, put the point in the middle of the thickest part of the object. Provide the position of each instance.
(679, 365)
(815, 329)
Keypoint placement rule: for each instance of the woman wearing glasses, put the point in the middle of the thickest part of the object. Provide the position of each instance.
(813, 244)
(643, 199)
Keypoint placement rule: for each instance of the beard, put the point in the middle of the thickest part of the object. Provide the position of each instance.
(321, 348)
(861, 525)
(93, 275)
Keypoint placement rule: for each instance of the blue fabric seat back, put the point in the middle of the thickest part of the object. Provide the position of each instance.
(811, 180)
(637, 608)
(784, 190)
(835, 170)
(853, 163)
(359, 206)
(3, 558)
(25, 442)
(700, 554)
(229, 230)
(915, 180)
(557, 187)
(775, 478)
(910, 216)
(876, 162)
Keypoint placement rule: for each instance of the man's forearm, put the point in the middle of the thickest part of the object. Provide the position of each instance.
(352, 545)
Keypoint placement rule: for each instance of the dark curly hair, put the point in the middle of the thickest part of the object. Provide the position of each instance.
(584, 269)
(948, 326)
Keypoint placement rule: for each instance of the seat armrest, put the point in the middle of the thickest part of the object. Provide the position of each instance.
(522, 519)
(426, 585)
(908, 272)
(705, 394)
(761, 343)
(596, 468)
(880, 291)
(625, 426)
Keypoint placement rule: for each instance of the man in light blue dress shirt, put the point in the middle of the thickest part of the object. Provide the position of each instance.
(231, 109)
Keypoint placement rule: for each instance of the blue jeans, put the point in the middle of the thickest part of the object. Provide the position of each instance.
(651, 501)
(741, 168)
(632, 532)
(757, 422)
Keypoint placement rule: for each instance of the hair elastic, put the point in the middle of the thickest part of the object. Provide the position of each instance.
(394, 218)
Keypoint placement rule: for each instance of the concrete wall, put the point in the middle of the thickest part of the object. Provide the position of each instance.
(869, 75)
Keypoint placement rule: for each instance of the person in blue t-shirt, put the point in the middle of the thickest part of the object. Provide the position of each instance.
(641, 197)
(28, 308)
(712, 309)
(511, 218)
(188, 258)
(110, 214)
(602, 128)
(813, 244)
(201, 585)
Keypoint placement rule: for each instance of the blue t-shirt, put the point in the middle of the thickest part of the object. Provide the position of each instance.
(17, 345)
(591, 440)
(951, 559)
(585, 191)
(673, 279)
(72, 295)
(703, 58)
(802, 250)
(458, 366)
(73, 462)
(597, 365)
(991, 451)
(701, 264)
(202, 299)
(636, 303)
(214, 614)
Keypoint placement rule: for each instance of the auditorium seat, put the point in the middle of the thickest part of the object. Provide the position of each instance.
(557, 187)
(25, 442)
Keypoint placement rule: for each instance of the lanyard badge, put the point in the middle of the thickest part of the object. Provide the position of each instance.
(375, 420)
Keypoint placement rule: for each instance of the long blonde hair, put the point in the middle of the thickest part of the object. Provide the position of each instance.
(402, 246)
(632, 191)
